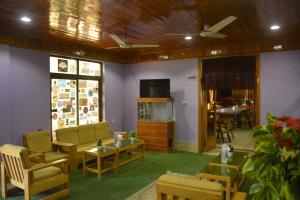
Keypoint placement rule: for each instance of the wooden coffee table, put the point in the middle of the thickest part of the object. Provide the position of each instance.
(101, 155)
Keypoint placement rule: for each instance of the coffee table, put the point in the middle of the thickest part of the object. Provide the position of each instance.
(222, 174)
(128, 151)
(101, 154)
(236, 161)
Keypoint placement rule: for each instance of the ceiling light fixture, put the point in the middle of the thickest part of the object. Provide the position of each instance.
(188, 37)
(215, 52)
(274, 27)
(277, 47)
(25, 19)
(79, 53)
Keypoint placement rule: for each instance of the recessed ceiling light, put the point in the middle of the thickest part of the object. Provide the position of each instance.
(188, 37)
(215, 52)
(274, 27)
(277, 47)
(25, 19)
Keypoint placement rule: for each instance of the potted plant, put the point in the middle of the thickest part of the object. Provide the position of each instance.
(276, 163)
(99, 144)
(230, 150)
(132, 135)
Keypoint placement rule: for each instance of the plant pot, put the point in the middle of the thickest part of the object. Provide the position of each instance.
(230, 153)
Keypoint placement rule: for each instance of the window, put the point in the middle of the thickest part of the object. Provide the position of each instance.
(76, 91)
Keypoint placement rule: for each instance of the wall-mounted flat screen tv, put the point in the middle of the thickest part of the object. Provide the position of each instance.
(155, 88)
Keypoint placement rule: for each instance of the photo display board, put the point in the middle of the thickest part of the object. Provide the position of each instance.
(75, 92)
(63, 103)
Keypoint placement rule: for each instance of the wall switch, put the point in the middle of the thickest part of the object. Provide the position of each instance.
(113, 120)
(183, 103)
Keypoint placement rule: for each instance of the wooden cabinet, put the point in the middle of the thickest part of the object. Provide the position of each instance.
(158, 136)
(155, 125)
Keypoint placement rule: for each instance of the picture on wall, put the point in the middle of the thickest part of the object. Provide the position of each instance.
(62, 65)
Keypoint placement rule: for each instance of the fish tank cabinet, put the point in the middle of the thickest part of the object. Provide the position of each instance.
(155, 123)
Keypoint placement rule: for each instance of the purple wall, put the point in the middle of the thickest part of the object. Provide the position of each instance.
(5, 130)
(113, 95)
(182, 89)
(280, 82)
(24, 92)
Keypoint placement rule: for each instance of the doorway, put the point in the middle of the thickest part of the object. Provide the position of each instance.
(228, 101)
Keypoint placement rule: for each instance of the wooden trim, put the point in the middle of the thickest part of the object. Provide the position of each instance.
(154, 100)
(200, 109)
(257, 91)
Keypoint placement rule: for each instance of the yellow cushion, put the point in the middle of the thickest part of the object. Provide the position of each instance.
(191, 182)
(45, 173)
(68, 135)
(86, 134)
(39, 141)
(22, 151)
(102, 130)
(52, 156)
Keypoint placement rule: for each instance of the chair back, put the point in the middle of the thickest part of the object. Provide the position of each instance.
(38, 141)
(15, 159)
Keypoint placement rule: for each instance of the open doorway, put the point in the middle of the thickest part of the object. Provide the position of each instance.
(228, 101)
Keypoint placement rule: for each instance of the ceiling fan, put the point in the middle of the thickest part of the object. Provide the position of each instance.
(213, 31)
(123, 45)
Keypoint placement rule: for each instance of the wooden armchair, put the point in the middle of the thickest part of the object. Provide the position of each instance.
(224, 126)
(16, 169)
(42, 149)
(171, 186)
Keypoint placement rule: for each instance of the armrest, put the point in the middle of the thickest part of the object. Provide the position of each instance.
(36, 156)
(70, 149)
(41, 166)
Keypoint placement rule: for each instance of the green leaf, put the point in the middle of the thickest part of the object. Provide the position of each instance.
(255, 188)
(290, 133)
(287, 192)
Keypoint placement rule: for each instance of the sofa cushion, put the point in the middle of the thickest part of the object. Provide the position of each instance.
(68, 135)
(86, 134)
(108, 141)
(102, 130)
(39, 141)
(52, 156)
(191, 182)
(45, 173)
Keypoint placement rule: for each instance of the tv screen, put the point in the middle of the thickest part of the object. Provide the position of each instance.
(155, 88)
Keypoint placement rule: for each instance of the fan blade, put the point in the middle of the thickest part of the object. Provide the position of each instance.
(213, 35)
(221, 24)
(143, 45)
(117, 40)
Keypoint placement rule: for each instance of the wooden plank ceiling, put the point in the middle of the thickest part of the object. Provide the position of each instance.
(64, 26)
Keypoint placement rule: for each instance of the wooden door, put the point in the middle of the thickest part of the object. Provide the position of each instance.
(209, 116)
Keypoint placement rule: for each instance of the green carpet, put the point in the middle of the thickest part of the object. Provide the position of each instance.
(131, 178)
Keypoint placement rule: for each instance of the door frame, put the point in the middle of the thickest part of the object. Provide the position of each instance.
(202, 117)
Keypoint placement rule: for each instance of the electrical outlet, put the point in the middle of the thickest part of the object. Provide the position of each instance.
(113, 120)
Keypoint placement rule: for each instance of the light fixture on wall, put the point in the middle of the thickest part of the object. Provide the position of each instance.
(215, 52)
(163, 57)
(79, 52)
(277, 47)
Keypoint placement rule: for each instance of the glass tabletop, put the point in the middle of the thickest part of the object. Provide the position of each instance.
(101, 150)
(124, 143)
(219, 171)
(237, 159)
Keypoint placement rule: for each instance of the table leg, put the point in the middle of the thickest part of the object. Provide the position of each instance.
(99, 167)
(83, 163)
(228, 188)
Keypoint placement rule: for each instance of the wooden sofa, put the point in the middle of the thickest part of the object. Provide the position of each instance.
(170, 186)
(84, 137)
